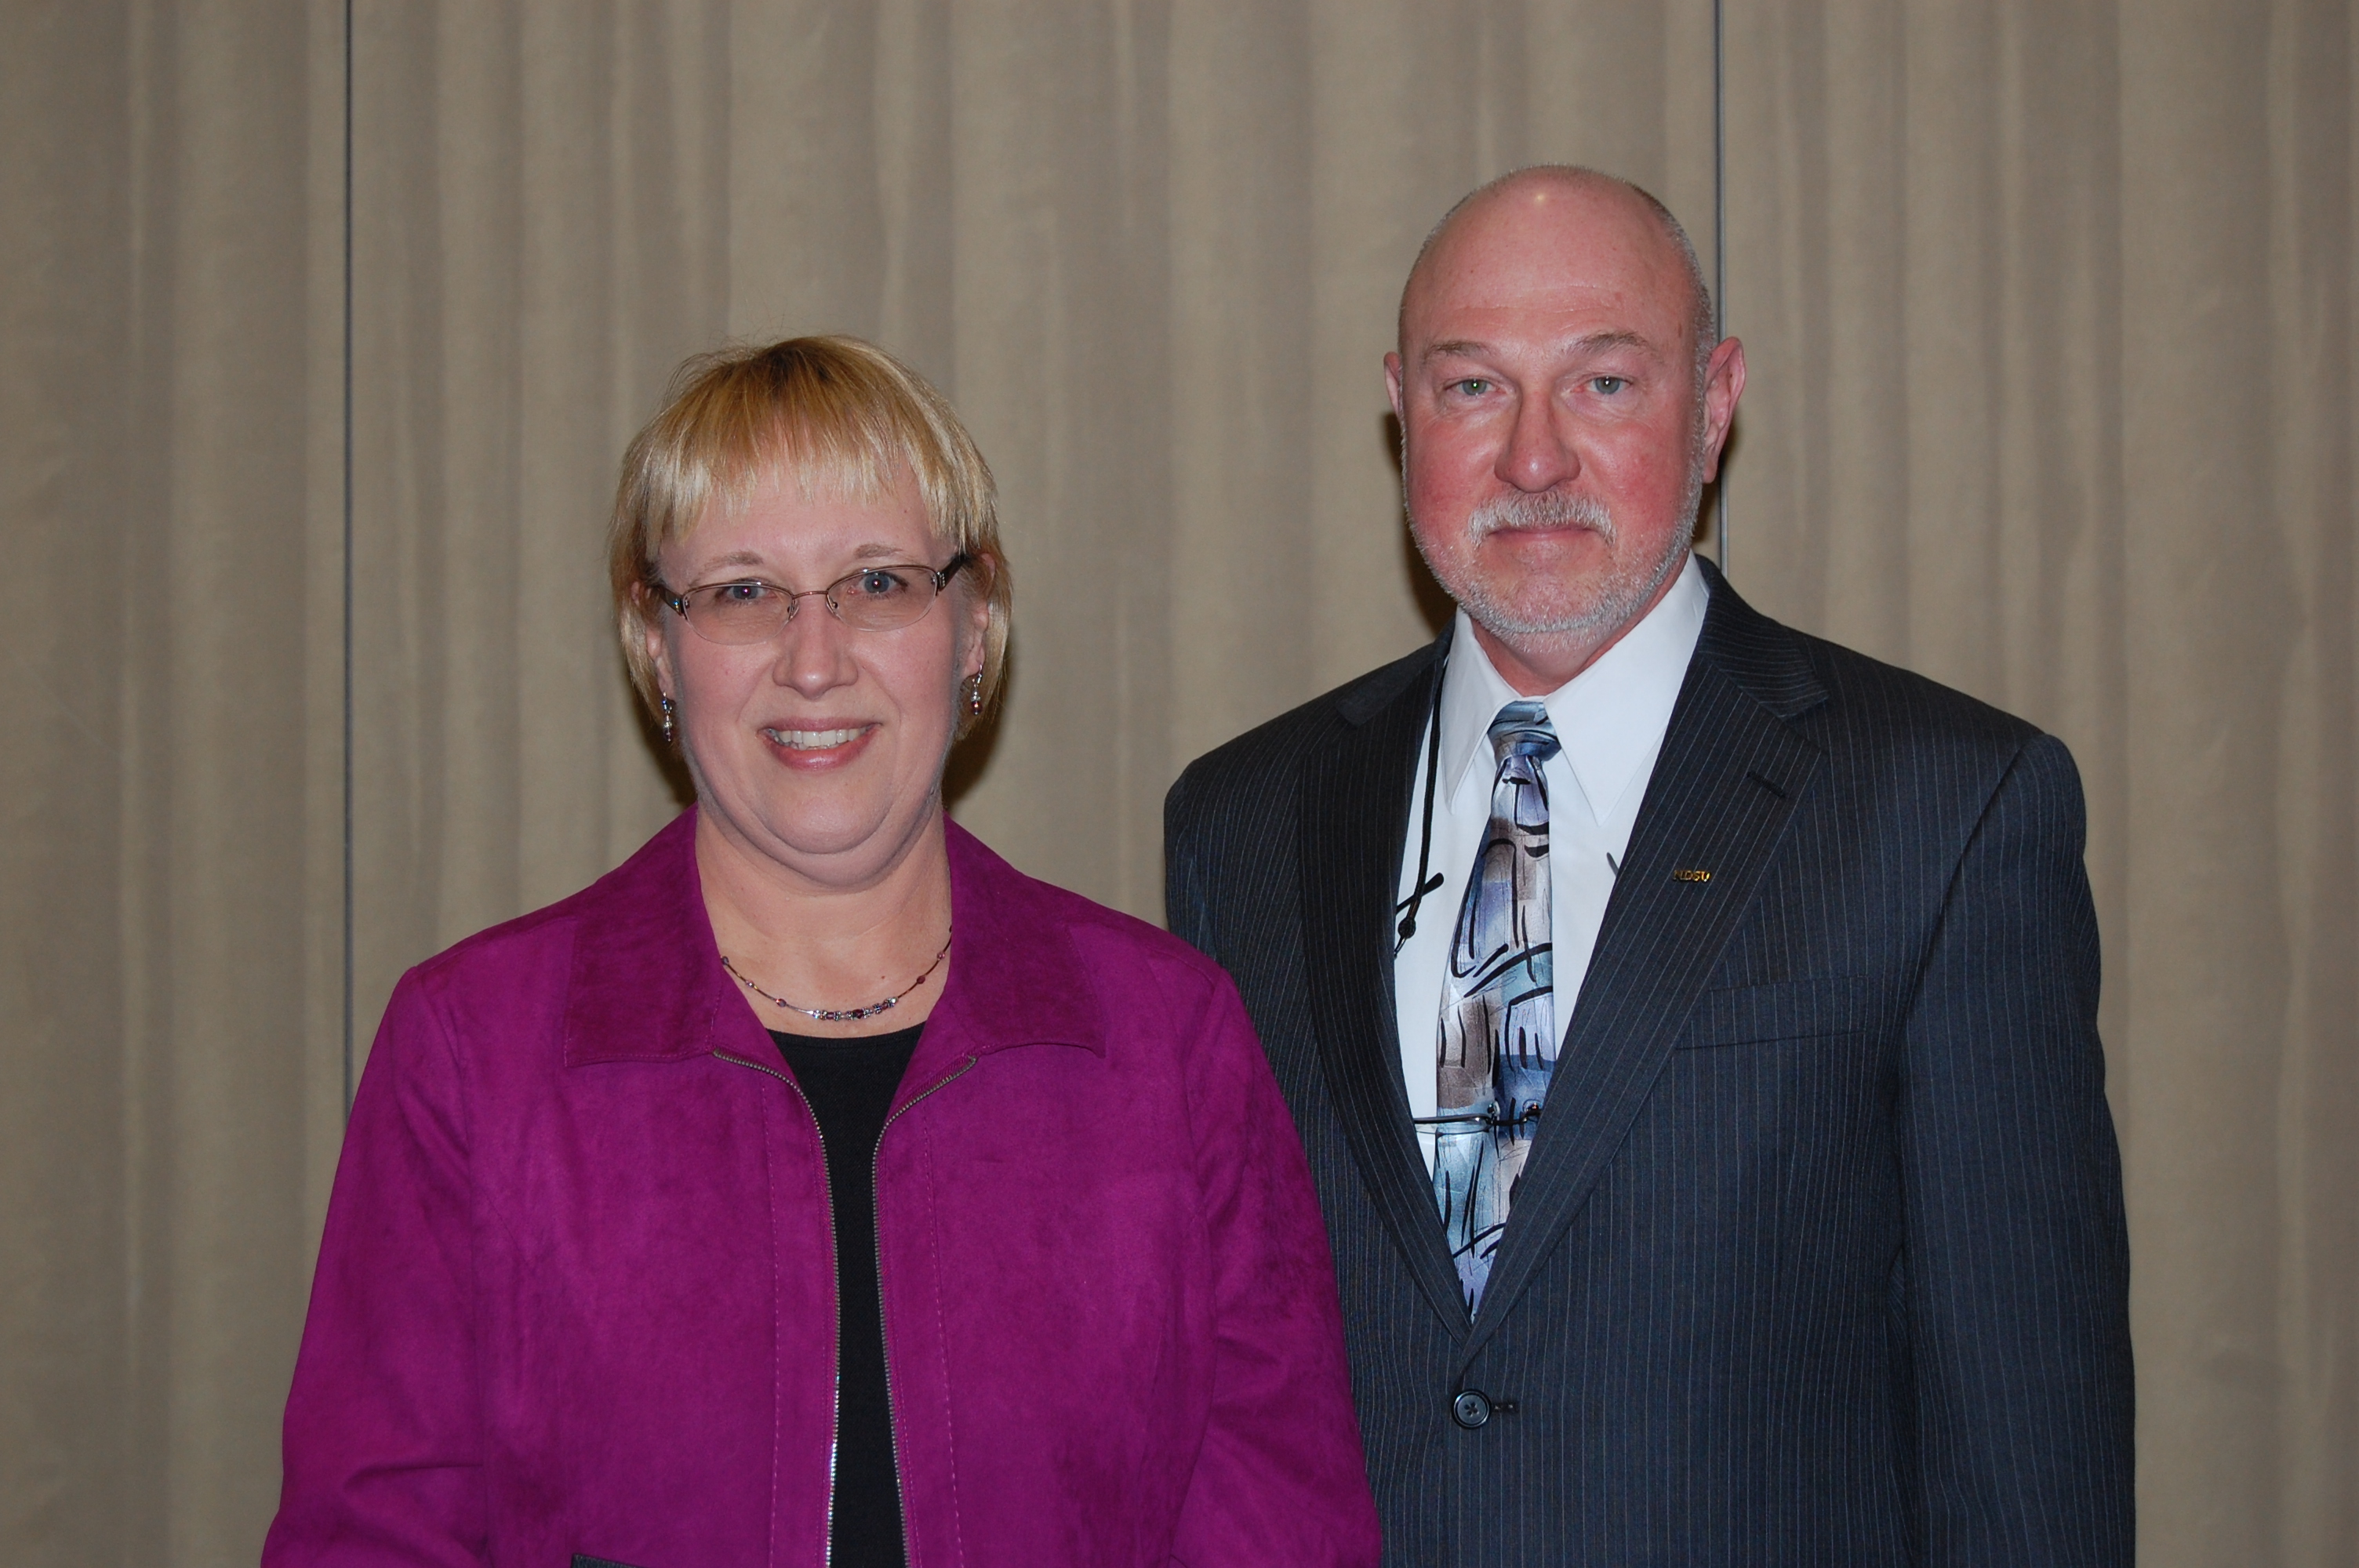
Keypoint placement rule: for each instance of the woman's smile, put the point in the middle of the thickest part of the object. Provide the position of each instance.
(807, 747)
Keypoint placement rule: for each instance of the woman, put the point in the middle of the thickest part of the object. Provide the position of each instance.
(815, 1187)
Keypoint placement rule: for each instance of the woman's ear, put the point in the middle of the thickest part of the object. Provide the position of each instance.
(978, 614)
(651, 629)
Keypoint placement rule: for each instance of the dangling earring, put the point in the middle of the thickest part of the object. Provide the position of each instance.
(672, 732)
(975, 694)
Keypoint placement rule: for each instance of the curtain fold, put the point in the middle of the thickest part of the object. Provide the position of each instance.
(2048, 313)
(171, 985)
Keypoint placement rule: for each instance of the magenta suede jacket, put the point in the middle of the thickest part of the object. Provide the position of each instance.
(577, 1292)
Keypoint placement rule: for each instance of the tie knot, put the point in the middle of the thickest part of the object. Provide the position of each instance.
(1522, 730)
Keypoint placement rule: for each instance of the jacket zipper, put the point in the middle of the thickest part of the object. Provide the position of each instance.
(876, 1199)
(900, 1489)
(835, 1399)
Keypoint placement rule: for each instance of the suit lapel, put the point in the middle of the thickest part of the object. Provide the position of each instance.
(1725, 785)
(1354, 813)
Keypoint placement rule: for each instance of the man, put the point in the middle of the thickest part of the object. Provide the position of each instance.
(1692, 1023)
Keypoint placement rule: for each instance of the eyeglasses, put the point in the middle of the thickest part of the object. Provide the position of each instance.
(873, 598)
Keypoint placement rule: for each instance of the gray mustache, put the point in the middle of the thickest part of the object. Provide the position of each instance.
(1548, 509)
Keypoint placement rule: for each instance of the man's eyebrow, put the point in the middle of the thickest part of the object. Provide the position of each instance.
(1453, 347)
(1599, 341)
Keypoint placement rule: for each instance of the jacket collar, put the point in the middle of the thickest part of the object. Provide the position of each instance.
(1764, 660)
(647, 985)
(1016, 977)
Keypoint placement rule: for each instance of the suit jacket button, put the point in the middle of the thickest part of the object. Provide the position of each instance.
(1470, 1410)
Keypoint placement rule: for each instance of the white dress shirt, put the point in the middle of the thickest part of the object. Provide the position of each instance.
(1609, 720)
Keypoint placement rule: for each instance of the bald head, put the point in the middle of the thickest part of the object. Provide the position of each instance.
(1569, 187)
(1563, 402)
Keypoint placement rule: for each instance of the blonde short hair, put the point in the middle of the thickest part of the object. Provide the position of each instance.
(832, 411)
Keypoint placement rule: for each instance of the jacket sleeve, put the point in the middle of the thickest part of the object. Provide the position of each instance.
(1280, 1477)
(2013, 1291)
(383, 1444)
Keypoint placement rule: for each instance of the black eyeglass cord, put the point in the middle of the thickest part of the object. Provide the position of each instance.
(1424, 884)
(1489, 1120)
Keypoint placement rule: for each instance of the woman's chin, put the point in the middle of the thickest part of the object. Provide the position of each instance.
(821, 832)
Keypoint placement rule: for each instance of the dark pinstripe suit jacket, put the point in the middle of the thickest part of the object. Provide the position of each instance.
(1819, 1257)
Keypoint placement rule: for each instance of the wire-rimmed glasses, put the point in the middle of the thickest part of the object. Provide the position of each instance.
(873, 598)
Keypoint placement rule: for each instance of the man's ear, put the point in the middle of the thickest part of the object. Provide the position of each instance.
(1724, 384)
(1393, 387)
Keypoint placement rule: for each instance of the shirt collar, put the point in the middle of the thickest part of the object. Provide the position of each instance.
(1609, 719)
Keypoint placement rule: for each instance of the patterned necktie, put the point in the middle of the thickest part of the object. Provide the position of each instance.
(1498, 1005)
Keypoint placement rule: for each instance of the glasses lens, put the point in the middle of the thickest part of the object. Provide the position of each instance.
(881, 599)
(738, 612)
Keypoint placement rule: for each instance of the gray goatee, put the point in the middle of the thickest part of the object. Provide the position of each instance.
(1606, 605)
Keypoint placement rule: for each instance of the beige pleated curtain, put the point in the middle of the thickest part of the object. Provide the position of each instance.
(2049, 309)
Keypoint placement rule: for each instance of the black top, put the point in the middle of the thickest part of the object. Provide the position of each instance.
(850, 1085)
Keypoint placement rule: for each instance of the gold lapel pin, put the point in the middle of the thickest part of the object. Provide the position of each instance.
(1691, 876)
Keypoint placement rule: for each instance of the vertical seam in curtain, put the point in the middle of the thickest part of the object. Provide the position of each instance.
(347, 563)
(1719, 239)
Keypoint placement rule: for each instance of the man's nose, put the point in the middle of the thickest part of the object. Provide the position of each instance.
(1540, 453)
(814, 650)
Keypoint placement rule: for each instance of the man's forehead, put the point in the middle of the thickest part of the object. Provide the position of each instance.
(1570, 345)
(1477, 318)
(1585, 250)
